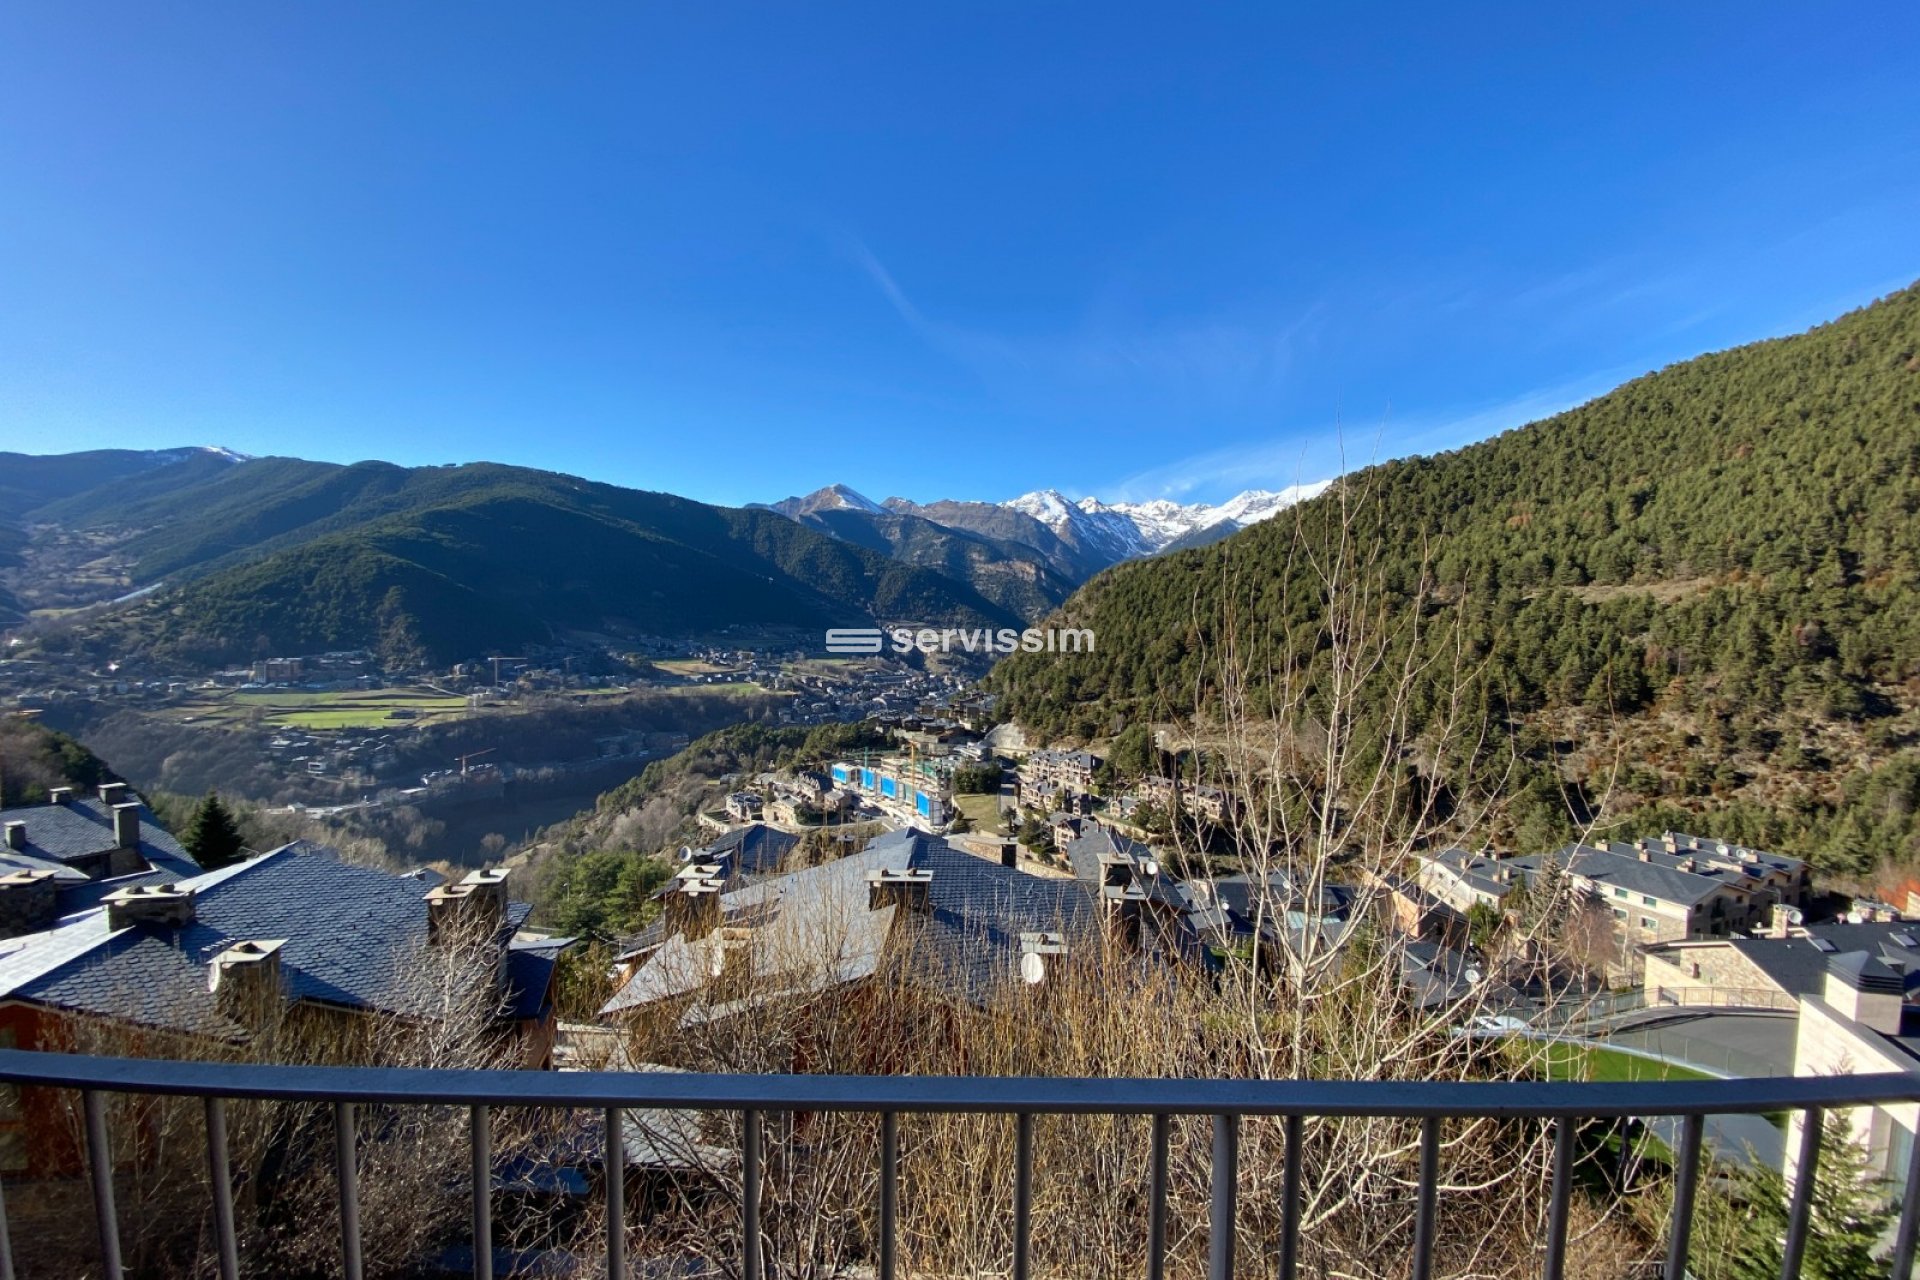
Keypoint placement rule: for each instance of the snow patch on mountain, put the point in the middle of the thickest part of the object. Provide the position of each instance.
(1130, 529)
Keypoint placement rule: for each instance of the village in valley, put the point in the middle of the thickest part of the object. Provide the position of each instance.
(1666, 955)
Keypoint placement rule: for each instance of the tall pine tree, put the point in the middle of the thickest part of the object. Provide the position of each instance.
(213, 837)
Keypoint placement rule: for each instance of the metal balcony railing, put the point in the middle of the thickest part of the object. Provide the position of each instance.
(1225, 1101)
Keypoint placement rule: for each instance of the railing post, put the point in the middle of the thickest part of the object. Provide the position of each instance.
(1290, 1199)
(750, 1195)
(1424, 1207)
(220, 1175)
(1022, 1194)
(1157, 1200)
(100, 1161)
(480, 1125)
(1909, 1230)
(6, 1241)
(1795, 1252)
(346, 1163)
(1226, 1190)
(616, 1173)
(889, 1191)
(1563, 1139)
(1685, 1173)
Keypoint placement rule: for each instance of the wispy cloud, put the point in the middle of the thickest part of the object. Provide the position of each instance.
(1213, 359)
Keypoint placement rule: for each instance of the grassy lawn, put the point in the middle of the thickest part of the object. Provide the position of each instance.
(982, 811)
(337, 709)
(1557, 1060)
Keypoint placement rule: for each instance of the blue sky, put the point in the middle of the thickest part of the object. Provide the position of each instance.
(930, 249)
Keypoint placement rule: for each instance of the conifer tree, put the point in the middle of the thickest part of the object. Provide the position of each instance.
(213, 837)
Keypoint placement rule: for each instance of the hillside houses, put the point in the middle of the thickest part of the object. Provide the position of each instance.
(1211, 804)
(1069, 770)
(68, 854)
(219, 957)
(1660, 889)
(972, 922)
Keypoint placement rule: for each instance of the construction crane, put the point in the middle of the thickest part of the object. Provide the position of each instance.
(473, 755)
(496, 668)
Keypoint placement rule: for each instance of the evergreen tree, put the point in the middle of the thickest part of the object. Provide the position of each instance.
(1745, 1229)
(213, 837)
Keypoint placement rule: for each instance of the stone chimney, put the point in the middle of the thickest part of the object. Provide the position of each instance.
(28, 901)
(167, 905)
(731, 959)
(126, 859)
(60, 795)
(16, 835)
(898, 889)
(246, 981)
(692, 907)
(478, 902)
(1865, 989)
(113, 793)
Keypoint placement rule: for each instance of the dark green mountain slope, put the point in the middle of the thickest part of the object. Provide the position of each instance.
(1012, 575)
(442, 563)
(1709, 574)
(31, 481)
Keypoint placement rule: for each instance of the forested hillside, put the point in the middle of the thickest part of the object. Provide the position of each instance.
(1707, 576)
(35, 759)
(280, 555)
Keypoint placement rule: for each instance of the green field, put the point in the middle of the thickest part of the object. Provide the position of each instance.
(982, 811)
(339, 709)
(1558, 1060)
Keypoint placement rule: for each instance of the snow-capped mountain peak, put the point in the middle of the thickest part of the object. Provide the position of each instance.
(1256, 505)
(1048, 506)
(835, 497)
(1128, 529)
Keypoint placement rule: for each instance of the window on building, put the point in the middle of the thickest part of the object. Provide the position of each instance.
(1618, 914)
(1647, 922)
(1648, 901)
(1619, 893)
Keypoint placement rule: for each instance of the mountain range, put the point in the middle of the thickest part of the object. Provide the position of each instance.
(1076, 538)
(210, 557)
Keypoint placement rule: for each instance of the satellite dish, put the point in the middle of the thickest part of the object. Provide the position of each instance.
(686, 853)
(1033, 969)
(1152, 868)
(1473, 976)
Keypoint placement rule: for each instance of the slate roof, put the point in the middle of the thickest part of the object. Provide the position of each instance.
(813, 928)
(83, 828)
(1613, 868)
(753, 850)
(977, 910)
(1094, 843)
(529, 978)
(1477, 871)
(352, 934)
(1799, 966)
